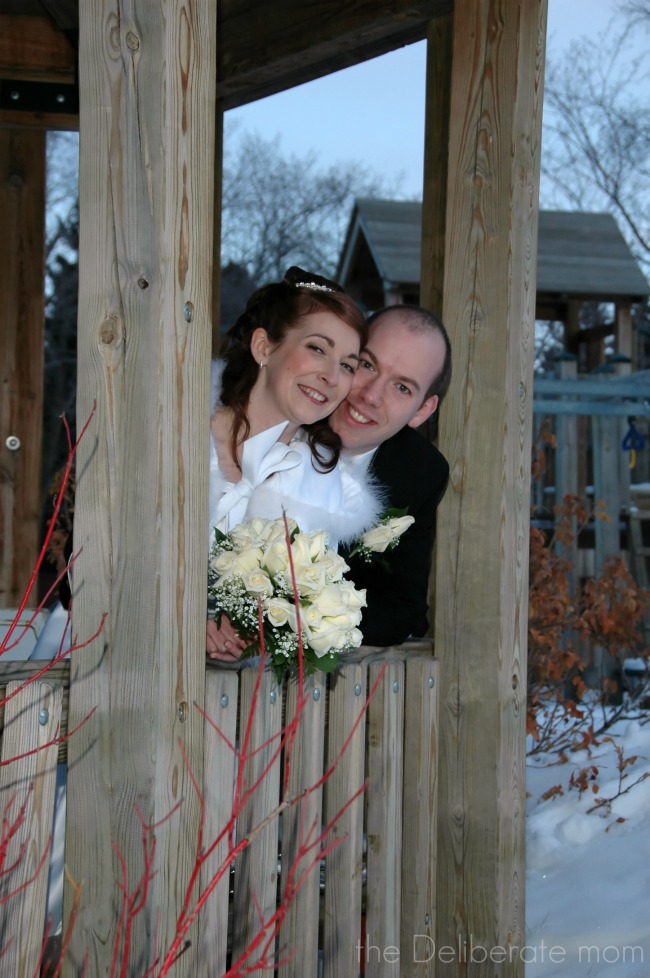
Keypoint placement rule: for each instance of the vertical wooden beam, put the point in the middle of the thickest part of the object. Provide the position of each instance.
(219, 772)
(344, 872)
(384, 822)
(434, 191)
(436, 149)
(300, 823)
(22, 219)
(146, 181)
(566, 462)
(27, 781)
(419, 819)
(572, 326)
(625, 333)
(566, 454)
(483, 527)
(611, 471)
(216, 232)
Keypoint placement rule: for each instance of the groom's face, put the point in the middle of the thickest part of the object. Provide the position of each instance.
(390, 386)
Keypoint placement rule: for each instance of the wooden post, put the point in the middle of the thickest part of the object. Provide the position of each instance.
(27, 780)
(22, 218)
(483, 524)
(434, 194)
(436, 141)
(566, 462)
(216, 232)
(611, 479)
(572, 327)
(147, 120)
(566, 455)
(625, 333)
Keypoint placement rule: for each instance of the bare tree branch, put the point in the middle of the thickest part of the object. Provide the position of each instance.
(597, 129)
(280, 210)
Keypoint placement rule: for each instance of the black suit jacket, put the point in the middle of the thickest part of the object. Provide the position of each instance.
(415, 475)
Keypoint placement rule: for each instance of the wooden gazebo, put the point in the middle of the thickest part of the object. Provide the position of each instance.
(153, 79)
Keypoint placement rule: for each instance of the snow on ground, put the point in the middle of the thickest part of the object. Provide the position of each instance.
(588, 875)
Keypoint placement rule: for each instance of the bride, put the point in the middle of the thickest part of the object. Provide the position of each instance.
(286, 364)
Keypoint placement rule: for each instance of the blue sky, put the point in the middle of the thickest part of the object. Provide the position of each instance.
(374, 112)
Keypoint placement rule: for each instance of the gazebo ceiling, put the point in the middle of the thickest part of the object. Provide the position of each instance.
(262, 47)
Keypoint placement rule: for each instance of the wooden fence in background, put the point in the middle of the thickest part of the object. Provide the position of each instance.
(592, 426)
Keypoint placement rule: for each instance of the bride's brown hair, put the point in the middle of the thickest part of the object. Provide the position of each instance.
(277, 308)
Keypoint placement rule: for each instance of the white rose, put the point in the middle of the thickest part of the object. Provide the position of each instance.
(380, 537)
(274, 530)
(327, 638)
(242, 537)
(400, 524)
(345, 621)
(310, 617)
(334, 566)
(354, 638)
(257, 529)
(247, 560)
(318, 544)
(223, 563)
(258, 582)
(281, 612)
(335, 599)
(276, 558)
(300, 550)
(310, 578)
(352, 598)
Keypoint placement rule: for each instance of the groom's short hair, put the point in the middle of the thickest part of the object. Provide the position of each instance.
(420, 320)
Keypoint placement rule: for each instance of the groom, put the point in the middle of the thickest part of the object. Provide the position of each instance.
(403, 374)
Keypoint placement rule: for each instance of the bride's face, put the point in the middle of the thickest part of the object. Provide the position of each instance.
(308, 373)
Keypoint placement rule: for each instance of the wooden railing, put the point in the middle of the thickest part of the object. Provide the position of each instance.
(369, 905)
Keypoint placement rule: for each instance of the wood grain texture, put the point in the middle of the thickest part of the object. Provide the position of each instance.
(344, 865)
(302, 824)
(266, 48)
(147, 114)
(483, 525)
(221, 698)
(436, 139)
(12, 672)
(256, 869)
(384, 823)
(419, 817)
(31, 721)
(22, 218)
(31, 47)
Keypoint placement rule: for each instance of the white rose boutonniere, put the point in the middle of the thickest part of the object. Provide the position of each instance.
(384, 536)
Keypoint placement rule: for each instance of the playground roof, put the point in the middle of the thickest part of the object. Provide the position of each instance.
(580, 255)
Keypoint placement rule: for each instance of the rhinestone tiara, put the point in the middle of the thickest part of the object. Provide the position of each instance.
(313, 286)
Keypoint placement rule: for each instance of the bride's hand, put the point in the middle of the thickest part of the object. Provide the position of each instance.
(222, 641)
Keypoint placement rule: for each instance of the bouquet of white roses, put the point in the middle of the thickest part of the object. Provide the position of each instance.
(384, 536)
(251, 564)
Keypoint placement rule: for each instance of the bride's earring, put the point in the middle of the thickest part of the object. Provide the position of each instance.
(262, 364)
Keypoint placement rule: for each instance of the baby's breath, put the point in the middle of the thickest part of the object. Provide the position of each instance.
(283, 586)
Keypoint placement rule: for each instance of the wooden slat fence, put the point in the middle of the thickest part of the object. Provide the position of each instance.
(368, 907)
(31, 719)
